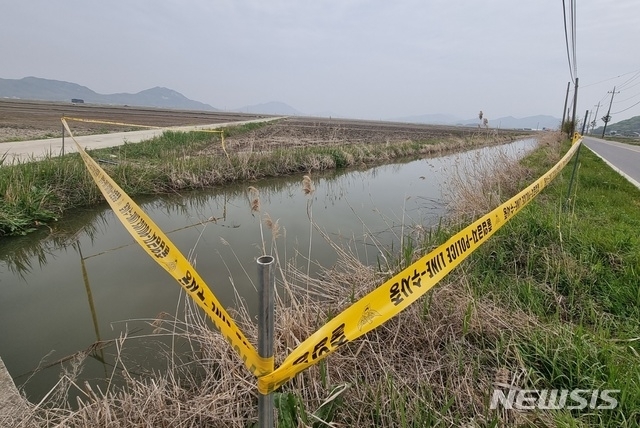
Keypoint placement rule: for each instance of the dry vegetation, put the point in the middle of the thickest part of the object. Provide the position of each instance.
(419, 366)
(36, 193)
(480, 186)
(427, 366)
(433, 365)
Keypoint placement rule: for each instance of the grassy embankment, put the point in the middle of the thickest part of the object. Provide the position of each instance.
(551, 301)
(37, 193)
(570, 283)
(620, 139)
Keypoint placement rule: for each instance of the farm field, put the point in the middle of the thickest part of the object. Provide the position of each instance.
(26, 120)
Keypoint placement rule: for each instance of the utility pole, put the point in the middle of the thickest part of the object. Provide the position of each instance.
(585, 122)
(595, 118)
(575, 104)
(564, 109)
(575, 163)
(607, 118)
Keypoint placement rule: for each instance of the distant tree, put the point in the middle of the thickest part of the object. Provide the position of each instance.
(568, 127)
(483, 120)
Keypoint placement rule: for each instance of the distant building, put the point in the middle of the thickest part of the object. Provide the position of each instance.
(77, 101)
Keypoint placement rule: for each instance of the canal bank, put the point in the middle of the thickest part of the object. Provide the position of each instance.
(108, 286)
(13, 406)
(36, 194)
(530, 310)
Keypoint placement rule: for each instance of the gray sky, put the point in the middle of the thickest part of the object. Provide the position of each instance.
(356, 58)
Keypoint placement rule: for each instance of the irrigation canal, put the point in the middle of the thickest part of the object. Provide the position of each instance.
(86, 281)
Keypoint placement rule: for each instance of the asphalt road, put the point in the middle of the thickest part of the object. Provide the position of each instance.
(624, 158)
(24, 151)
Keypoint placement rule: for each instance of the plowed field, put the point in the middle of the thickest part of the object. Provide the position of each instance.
(26, 120)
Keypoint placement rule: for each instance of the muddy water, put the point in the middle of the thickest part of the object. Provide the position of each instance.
(86, 281)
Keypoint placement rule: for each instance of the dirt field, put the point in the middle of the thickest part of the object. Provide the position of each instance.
(308, 131)
(25, 120)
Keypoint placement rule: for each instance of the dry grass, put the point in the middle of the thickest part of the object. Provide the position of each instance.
(480, 186)
(425, 360)
(434, 364)
(431, 345)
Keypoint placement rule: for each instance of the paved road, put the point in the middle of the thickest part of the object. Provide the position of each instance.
(624, 158)
(24, 151)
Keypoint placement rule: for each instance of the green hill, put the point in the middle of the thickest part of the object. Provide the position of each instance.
(629, 127)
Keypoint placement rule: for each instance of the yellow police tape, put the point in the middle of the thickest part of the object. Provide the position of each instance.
(217, 131)
(77, 119)
(371, 311)
(158, 246)
(396, 294)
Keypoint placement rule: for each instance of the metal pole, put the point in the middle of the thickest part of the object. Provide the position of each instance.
(266, 290)
(63, 139)
(564, 109)
(575, 105)
(575, 164)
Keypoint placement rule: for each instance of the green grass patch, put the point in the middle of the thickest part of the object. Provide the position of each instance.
(574, 267)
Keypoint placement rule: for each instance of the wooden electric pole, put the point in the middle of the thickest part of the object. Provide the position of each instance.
(607, 118)
(595, 118)
(575, 104)
(564, 109)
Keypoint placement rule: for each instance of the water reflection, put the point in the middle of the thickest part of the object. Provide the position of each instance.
(18, 254)
(79, 286)
(94, 316)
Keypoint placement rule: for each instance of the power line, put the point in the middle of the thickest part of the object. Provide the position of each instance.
(566, 38)
(632, 86)
(635, 76)
(574, 32)
(627, 108)
(610, 78)
(604, 97)
(627, 99)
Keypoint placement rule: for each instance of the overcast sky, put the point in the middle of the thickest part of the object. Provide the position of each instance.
(355, 58)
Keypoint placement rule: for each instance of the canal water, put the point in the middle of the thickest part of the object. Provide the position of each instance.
(86, 281)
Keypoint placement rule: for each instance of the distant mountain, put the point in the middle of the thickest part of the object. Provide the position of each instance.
(629, 127)
(34, 88)
(273, 107)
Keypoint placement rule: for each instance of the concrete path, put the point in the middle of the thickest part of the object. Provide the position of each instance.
(624, 158)
(25, 151)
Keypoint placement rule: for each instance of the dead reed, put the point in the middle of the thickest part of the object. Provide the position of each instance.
(434, 364)
(477, 187)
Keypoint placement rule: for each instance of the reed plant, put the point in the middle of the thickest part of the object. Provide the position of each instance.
(36, 193)
(550, 301)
